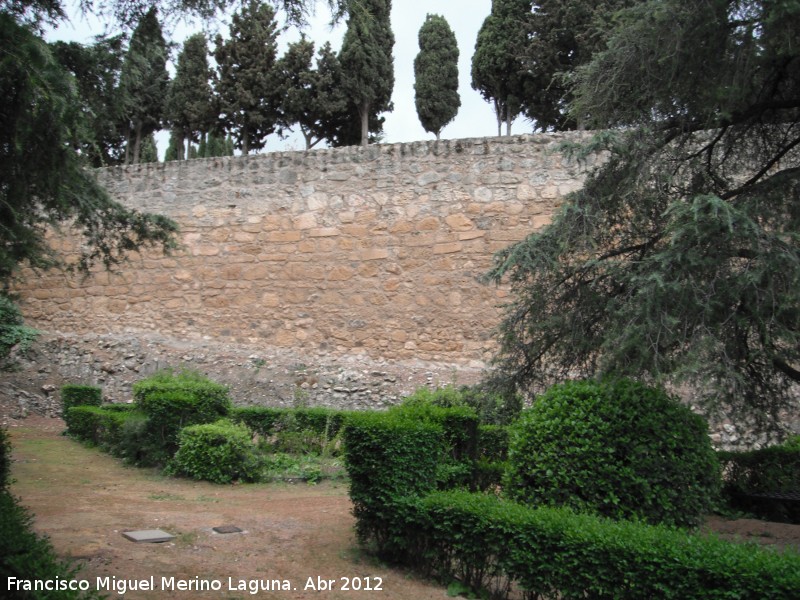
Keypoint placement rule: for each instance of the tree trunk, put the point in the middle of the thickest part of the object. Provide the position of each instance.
(364, 114)
(137, 144)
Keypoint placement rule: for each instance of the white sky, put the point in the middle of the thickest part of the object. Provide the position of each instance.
(475, 117)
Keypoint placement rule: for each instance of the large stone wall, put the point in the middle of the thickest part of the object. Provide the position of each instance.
(375, 250)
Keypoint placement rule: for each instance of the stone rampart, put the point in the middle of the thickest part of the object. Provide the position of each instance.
(375, 250)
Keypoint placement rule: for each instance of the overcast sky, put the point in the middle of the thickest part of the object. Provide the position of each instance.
(475, 117)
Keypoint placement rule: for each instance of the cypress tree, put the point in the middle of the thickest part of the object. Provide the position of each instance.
(143, 83)
(366, 59)
(247, 84)
(436, 75)
(189, 107)
(498, 72)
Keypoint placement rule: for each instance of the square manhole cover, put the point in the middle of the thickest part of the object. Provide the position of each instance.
(227, 529)
(152, 536)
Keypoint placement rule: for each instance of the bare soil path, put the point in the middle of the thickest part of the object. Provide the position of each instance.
(83, 500)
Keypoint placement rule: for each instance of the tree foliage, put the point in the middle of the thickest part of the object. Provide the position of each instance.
(143, 83)
(96, 69)
(190, 104)
(497, 67)
(679, 260)
(563, 35)
(247, 84)
(43, 182)
(366, 59)
(436, 75)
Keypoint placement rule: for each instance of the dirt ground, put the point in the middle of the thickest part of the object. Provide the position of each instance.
(83, 500)
(298, 534)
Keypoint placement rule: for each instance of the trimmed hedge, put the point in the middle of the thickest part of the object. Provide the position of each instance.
(173, 401)
(772, 469)
(483, 541)
(267, 421)
(615, 447)
(218, 452)
(388, 458)
(80, 395)
(83, 422)
(119, 429)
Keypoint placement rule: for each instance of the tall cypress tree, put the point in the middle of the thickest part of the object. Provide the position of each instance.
(436, 75)
(247, 84)
(498, 71)
(189, 108)
(143, 83)
(366, 58)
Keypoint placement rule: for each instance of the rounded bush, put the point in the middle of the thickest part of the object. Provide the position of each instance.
(219, 452)
(617, 448)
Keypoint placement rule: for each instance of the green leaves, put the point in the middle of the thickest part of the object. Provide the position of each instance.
(366, 60)
(617, 448)
(436, 75)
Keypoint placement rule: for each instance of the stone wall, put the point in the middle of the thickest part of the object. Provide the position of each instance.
(374, 251)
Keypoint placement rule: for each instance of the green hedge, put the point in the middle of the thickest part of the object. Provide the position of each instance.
(485, 542)
(218, 452)
(615, 447)
(388, 458)
(80, 395)
(83, 422)
(493, 442)
(173, 401)
(772, 469)
(267, 421)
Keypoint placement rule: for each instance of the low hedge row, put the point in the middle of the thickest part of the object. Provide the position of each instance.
(80, 395)
(267, 421)
(484, 541)
(120, 429)
(388, 457)
(488, 543)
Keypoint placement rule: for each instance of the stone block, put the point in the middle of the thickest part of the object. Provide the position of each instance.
(283, 236)
(447, 248)
(374, 254)
(459, 222)
(429, 223)
(324, 232)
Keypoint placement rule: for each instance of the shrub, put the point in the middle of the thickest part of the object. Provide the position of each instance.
(261, 419)
(219, 452)
(388, 458)
(13, 331)
(493, 442)
(294, 430)
(80, 395)
(173, 401)
(614, 447)
(83, 422)
(556, 553)
(764, 471)
(460, 435)
(491, 403)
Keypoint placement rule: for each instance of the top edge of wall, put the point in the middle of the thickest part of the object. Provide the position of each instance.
(478, 145)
